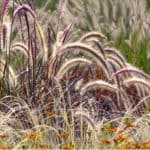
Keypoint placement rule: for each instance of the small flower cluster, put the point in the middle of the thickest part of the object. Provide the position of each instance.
(32, 135)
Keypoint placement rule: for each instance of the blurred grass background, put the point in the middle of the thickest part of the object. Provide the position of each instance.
(52, 5)
(135, 48)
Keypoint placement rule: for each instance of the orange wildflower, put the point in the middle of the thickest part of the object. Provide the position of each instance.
(42, 146)
(64, 134)
(129, 125)
(3, 146)
(146, 145)
(113, 130)
(120, 138)
(129, 144)
(2, 136)
(142, 145)
(48, 113)
(106, 141)
(32, 135)
(68, 146)
(120, 131)
(137, 146)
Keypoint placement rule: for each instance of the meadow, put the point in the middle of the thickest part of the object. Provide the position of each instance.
(74, 74)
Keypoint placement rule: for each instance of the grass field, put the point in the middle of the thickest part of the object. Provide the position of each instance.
(74, 74)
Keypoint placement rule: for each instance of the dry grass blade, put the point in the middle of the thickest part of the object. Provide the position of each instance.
(116, 61)
(24, 49)
(87, 118)
(65, 33)
(4, 7)
(92, 35)
(23, 7)
(137, 80)
(99, 46)
(12, 76)
(143, 100)
(89, 50)
(130, 70)
(61, 8)
(98, 84)
(21, 47)
(115, 52)
(42, 41)
(5, 32)
(69, 64)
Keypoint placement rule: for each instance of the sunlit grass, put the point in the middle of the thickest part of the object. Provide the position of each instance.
(60, 91)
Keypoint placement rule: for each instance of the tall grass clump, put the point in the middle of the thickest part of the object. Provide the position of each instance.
(60, 92)
(126, 25)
